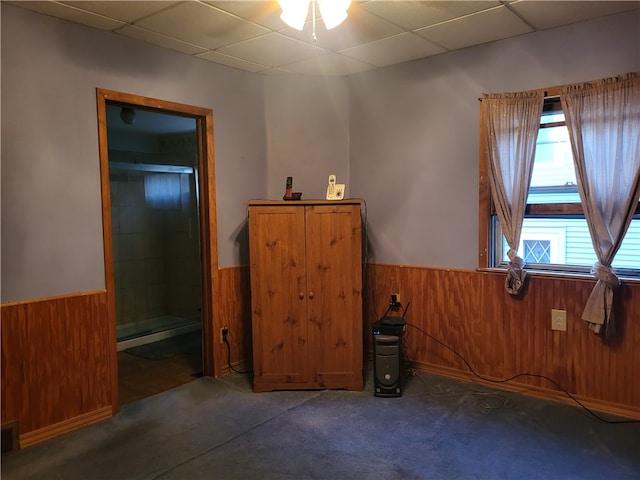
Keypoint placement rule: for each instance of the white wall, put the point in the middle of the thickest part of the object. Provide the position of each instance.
(51, 204)
(415, 131)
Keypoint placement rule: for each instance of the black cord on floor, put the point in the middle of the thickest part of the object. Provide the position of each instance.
(229, 359)
(534, 375)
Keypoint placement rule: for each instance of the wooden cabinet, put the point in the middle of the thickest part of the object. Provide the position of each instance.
(306, 294)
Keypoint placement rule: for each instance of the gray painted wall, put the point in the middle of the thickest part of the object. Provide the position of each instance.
(415, 131)
(307, 123)
(51, 204)
(405, 138)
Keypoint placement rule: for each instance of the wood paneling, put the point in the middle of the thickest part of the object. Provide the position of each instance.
(235, 313)
(55, 352)
(55, 362)
(501, 336)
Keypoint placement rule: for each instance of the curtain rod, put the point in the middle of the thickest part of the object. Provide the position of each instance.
(546, 96)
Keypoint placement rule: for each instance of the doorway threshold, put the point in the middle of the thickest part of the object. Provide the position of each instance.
(154, 337)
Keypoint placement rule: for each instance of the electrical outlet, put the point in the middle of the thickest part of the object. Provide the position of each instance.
(224, 331)
(394, 301)
(559, 320)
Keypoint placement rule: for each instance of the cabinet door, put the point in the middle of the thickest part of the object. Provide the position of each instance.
(278, 294)
(334, 284)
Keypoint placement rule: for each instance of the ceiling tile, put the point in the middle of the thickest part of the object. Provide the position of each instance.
(475, 29)
(159, 40)
(273, 50)
(234, 62)
(389, 51)
(276, 71)
(548, 14)
(329, 64)
(415, 14)
(249, 34)
(265, 13)
(125, 11)
(202, 25)
(71, 13)
(359, 27)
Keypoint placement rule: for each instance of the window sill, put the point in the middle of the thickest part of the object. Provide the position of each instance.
(559, 275)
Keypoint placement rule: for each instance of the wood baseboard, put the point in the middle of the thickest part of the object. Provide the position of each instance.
(46, 433)
(534, 391)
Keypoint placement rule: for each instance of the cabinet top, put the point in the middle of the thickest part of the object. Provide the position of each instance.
(346, 201)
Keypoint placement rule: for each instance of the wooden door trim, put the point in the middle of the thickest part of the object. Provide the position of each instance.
(208, 220)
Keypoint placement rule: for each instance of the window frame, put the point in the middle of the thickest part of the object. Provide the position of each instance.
(488, 227)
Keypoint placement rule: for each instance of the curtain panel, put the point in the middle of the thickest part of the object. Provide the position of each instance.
(511, 122)
(603, 119)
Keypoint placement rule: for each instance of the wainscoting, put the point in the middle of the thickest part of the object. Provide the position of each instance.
(235, 314)
(57, 356)
(501, 336)
(56, 373)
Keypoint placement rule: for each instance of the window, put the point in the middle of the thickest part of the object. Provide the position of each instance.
(555, 236)
(537, 251)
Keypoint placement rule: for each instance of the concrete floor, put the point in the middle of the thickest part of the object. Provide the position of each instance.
(439, 429)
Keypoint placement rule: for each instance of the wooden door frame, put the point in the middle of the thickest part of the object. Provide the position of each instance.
(208, 221)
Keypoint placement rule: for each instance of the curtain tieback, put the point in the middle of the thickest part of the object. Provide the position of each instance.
(514, 260)
(516, 274)
(605, 274)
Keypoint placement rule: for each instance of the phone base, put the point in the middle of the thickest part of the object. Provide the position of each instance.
(294, 196)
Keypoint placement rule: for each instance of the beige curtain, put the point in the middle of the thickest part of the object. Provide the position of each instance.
(511, 123)
(603, 119)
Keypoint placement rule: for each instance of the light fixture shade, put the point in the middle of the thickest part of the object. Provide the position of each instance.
(333, 12)
(294, 12)
(128, 115)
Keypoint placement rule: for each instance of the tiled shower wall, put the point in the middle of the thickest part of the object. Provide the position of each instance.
(155, 247)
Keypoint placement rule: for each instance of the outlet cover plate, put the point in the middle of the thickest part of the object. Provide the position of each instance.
(559, 320)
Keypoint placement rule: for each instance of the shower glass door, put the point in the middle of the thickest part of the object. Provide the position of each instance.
(156, 248)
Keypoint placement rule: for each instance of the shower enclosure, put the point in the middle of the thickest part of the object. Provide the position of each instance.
(155, 228)
(156, 251)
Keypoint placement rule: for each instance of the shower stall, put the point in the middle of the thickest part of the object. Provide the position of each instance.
(156, 248)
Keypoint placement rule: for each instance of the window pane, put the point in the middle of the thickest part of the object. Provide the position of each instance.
(553, 117)
(553, 178)
(537, 251)
(566, 241)
(560, 241)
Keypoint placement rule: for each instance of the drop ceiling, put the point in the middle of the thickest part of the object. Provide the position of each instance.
(249, 35)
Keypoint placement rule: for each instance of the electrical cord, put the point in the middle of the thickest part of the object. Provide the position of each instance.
(231, 368)
(365, 240)
(533, 375)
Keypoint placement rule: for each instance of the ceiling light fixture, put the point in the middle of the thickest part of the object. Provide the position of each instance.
(128, 115)
(294, 13)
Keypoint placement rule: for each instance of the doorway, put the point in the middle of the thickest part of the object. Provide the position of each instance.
(158, 197)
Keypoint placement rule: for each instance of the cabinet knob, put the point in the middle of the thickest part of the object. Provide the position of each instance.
(301, 295)
(310, 294)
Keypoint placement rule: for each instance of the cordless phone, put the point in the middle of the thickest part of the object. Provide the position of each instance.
(289, 194)
(335, 191)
